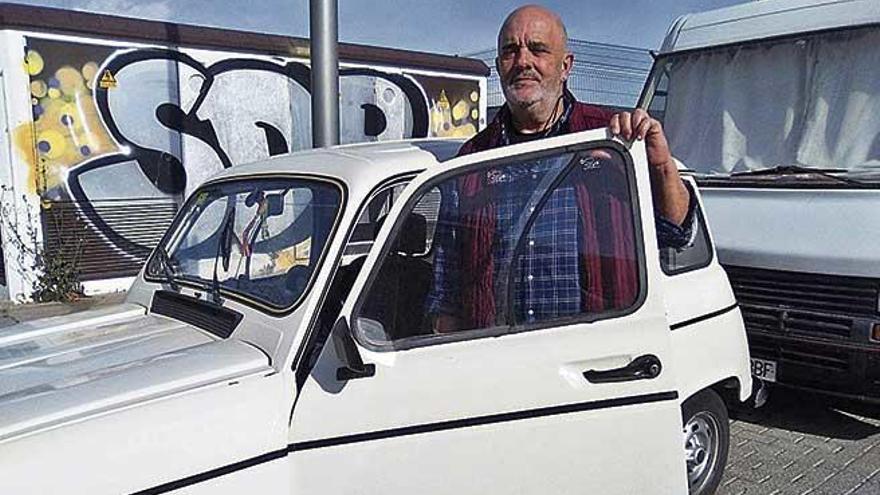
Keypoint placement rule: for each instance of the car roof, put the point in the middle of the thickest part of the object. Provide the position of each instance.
(364, 164)
(766, 19)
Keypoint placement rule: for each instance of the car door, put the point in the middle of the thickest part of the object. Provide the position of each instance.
(523, 349)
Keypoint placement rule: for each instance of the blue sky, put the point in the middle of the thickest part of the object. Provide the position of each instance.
(451, 27)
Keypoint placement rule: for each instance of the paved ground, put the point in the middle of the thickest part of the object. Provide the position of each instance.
(804, 444)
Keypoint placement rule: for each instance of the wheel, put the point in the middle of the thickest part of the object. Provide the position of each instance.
(706, 441)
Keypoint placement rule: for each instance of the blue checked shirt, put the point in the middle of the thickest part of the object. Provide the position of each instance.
(547, 274)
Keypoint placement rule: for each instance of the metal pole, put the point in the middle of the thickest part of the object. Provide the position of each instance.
(324, 38)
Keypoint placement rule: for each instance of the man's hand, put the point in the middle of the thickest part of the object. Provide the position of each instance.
(671, 198)
(639, 125)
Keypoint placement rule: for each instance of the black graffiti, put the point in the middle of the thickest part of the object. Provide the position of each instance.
(166, 171)
(375, 122)
(274, 139)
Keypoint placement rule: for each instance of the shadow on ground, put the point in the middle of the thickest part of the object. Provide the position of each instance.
(814, 414)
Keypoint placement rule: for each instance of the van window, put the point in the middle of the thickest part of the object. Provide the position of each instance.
(517, 245)
(808, 100)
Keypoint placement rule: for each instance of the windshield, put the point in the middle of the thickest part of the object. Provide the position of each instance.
(812, 101)
(259, 239)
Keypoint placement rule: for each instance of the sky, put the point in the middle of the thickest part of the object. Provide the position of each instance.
(451, 27)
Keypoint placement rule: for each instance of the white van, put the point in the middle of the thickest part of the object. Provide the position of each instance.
(775, 106)
(260, 351)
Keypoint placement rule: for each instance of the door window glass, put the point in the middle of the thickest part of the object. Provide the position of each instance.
(516, 243)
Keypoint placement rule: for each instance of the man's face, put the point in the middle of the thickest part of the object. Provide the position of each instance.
(532, 59)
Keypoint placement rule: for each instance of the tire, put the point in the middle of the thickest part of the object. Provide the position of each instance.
(706, 440)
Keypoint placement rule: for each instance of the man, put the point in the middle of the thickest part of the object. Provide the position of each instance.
(534, 63)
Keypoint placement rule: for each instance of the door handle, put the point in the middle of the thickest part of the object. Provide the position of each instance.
(641, 368)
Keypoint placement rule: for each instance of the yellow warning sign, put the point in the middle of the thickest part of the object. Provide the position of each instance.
(107, 80)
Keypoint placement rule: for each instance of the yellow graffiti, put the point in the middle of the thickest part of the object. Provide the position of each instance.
(67, 128)
(449, 120)
(33, 63)
(23, 142)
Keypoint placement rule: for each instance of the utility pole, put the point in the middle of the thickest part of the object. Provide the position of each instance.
(324, 53)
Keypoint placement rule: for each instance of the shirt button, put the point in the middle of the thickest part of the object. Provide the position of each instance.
(531, 277)
(531, 312)
(534, 176)
(531, 243)
(531, 209)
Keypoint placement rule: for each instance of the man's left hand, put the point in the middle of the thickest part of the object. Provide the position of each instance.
(639, 125)
(671, 198)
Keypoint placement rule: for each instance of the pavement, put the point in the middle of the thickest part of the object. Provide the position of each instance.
(800, 444)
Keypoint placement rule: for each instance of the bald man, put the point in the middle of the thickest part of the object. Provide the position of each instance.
(534, 63)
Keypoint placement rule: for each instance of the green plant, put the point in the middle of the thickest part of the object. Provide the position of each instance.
(52, 268)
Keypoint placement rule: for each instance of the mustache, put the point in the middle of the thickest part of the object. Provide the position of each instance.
(526, 74)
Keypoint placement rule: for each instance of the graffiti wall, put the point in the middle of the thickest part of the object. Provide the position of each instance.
(121, 135)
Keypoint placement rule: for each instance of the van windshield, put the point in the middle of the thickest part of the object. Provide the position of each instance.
(259, 239)
(811, 101)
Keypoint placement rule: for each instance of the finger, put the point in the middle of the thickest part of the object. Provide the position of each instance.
(626, 125)
(643, 128)
(638, 117)
(614, 124)
(600, 154)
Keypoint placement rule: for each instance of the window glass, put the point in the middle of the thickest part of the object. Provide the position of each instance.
(373, 217)
(809, 100)
(696, 255)
(259, 238)
(515, 243)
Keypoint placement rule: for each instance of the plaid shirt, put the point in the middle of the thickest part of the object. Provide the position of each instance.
(547, 276)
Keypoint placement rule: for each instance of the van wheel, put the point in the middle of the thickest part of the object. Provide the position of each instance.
(706, 441)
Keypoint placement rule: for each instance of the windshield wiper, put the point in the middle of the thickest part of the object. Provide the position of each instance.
(783, 170)
(165, 264)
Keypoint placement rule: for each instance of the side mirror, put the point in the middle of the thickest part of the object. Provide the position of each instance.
(353, 366)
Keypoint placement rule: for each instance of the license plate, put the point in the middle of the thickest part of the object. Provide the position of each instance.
(764, 369)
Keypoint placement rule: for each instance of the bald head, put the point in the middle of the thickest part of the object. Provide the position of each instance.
(535, 13)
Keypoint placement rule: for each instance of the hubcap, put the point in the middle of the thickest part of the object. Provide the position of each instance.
(701, 443)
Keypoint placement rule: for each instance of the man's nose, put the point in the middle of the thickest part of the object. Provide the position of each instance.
(523, 59)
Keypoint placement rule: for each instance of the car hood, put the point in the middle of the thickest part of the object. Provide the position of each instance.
(59, 369)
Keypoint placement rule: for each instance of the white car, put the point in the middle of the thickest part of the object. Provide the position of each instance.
(283, 338)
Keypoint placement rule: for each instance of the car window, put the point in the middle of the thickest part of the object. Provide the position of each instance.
(696, 255)
(377, 209)
(516, 244)
(260, 239)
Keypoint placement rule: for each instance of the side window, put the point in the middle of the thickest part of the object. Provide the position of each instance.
(516, 244)
(377, 209)
(697, 255)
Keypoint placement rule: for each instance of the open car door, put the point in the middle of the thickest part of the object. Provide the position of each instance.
(506, 334)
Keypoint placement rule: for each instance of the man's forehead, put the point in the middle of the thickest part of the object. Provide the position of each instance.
(531, 26)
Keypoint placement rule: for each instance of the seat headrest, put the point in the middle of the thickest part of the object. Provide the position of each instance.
(412, 240)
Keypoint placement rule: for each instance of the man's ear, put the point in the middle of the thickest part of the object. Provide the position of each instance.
(567, 64)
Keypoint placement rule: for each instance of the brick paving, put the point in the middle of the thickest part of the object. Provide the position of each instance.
(802, 444)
